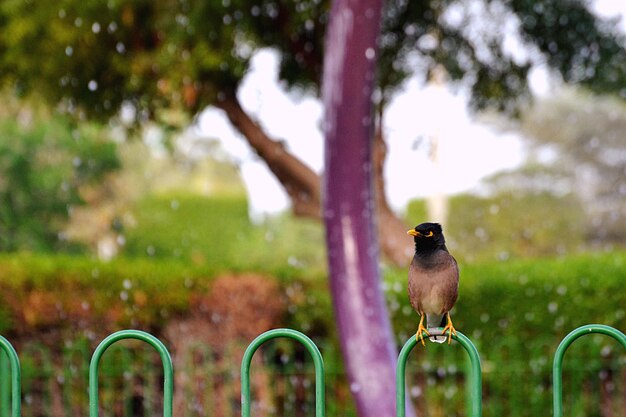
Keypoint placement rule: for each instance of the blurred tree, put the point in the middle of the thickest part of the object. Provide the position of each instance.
(579, 147)
(44, 164)
(163, 59)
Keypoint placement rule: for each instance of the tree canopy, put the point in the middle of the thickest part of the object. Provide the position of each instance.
(93, 56)
(583, 143)
(44, 165)
(162, 58)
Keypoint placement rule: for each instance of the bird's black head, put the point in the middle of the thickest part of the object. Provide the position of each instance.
(428, 237)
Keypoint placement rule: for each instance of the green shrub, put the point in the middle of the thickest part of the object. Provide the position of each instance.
(216, 232)
(43, 168)
(206, 230)
(524, 299)
(509, 226)
(515, 312)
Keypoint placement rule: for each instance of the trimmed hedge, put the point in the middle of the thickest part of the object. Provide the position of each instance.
(531, 298)
(521, 299)
(516, 312)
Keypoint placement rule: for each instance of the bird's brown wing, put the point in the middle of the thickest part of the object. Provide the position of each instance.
(450, 285)
(416, 288)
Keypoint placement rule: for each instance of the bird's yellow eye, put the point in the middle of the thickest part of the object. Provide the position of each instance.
(429, 234)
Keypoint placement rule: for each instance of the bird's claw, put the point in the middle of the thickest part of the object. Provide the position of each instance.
(450, 329)
(419, 336)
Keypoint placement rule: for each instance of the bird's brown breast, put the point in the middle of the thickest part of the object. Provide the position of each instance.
(433, 282)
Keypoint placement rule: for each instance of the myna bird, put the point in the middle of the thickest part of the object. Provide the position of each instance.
(433, 281)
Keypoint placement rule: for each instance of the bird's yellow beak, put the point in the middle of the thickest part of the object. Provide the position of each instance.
(414, 232)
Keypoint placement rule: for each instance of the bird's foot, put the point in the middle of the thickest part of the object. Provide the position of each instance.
(420, 332)
(450, 329)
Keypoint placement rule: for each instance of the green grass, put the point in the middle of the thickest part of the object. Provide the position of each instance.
(216, 232)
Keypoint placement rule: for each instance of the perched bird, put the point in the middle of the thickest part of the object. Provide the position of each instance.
(433, 281)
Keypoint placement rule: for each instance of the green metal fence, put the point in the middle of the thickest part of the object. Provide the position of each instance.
(11, 397)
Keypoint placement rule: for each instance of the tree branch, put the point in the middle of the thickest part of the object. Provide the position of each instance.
(301, 182)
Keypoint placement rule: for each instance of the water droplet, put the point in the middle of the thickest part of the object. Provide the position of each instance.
(95, 28)
(355, 387)
(416, 391)
(370, 53)
(127, 284)
(69, 51)
(93, 85)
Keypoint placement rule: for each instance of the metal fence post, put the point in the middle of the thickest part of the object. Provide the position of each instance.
(168, 369)
(318, 362)
(557, 365)
(16, 378)
(475, 373)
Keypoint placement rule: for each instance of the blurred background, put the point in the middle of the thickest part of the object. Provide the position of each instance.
(160, 169)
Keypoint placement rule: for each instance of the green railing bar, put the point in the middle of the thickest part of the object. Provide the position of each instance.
(557, 365)
(318, 362)
(14, 361)
(475, 373)
(168, 369)
(5, 385)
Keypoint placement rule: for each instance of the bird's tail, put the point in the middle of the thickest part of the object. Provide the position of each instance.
(436, 320)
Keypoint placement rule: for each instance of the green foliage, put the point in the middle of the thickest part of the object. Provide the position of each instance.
(510, 225)
(528, 299)
(163, 55)
(190, 227)
(515, 312)
(585, 133)
(42, 168)
(514, 225)
(582, 53)
(538, 298)
(217, 232)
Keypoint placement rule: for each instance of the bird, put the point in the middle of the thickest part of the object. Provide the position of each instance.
(433, 281)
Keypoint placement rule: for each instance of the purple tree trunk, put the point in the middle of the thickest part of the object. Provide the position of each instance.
(367, 341)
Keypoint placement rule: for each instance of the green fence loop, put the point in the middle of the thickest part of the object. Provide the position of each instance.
(168, 369)
(557, 365)
(474, 370)
(16, 378)
(292, 334)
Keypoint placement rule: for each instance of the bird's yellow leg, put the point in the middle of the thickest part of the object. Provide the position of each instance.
(420, 331)
(449, 328)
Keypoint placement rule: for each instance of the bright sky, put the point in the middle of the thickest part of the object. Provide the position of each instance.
(469, 151)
